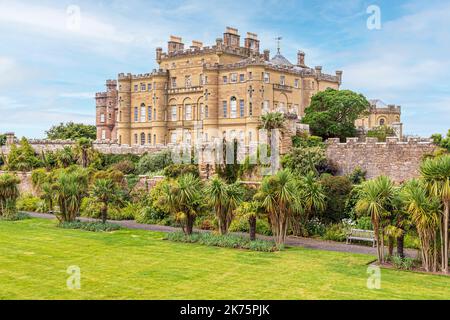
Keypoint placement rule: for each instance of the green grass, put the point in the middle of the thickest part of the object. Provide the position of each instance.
(136, 264)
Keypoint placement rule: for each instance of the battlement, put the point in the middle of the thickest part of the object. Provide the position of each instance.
(400, 160)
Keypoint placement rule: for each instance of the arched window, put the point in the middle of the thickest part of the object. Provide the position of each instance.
(154, 139)
(188, 112)
(382, 122)
(233, 108)
(142, 139)
(154, 113)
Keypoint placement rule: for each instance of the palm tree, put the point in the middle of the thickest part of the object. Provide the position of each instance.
(217, 194)
(69, 189)
(424, 212)
(84, 151)
(47, 195)
(436, 173)
(375, 200)
(279, 198)
(312, 194)
(249, 211)
(104, 191)
(234, 197)
(184, 199)
(9, 192)
(272, 120)
(65, 157)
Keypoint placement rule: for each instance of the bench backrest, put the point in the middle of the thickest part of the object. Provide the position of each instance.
(369, 234)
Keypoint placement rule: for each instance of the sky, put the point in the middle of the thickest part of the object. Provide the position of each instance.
(54, 55)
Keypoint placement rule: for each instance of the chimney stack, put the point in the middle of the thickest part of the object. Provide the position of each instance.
(339, 76)
(266, 55)
(196, 44)
(175, 44)
(318, 70)
(158, 55)
(231, 38)
(252, 42)
(301, 59)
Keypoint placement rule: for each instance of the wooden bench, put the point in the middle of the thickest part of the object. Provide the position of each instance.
(362, 235)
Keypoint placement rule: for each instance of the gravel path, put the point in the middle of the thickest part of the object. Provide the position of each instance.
(290, 241)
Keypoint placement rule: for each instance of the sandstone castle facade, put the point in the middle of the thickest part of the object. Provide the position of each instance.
(210, 92)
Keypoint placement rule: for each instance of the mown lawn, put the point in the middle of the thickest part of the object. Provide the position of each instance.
(136, 264)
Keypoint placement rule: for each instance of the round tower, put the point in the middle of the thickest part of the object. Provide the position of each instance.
(159, 130)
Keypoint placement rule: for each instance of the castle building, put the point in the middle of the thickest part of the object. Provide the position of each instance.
(381, 114)
(207, 92)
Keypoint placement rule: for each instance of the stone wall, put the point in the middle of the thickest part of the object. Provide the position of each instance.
(398, 160)
(25, 186)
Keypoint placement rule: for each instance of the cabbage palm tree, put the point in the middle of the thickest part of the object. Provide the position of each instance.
(9, 192)
(375, 200)
(84, 151)
(217, 194)
(105, 192)
(279, 199)
(312, 194)
(184, 200)
(70, 188)
(249, 211)
(436, 173)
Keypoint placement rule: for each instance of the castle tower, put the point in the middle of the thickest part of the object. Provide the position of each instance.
(124, 109)
(159, 103)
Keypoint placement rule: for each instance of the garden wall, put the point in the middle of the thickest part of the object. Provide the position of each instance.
(25, 186)
(398, 160)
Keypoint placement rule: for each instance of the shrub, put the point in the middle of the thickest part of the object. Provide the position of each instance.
(176, 170)
(16, 217)
(403, 263)
(89, 226)
(125, 166)
(337, 190)
(335, 232)
(364, 223)
(153, 162)
(30, 203)
(225, 241)
(314, 227)
(127, 213)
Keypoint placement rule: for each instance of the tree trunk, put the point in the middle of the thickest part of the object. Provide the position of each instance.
(189, 224)
(400, 246)
(252, 225)
(391, 241)
(446, 214)
(104, 213)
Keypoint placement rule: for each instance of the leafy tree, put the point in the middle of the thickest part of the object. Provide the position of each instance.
(2, 139)
(104, 191)
(302, 160)
(381, 133)
(154, 162)
(23, 158)
(436, 173)
(332, 113)
(337, 190)
(357, 176)
(441, 141)
(278, 196)
(71, 131)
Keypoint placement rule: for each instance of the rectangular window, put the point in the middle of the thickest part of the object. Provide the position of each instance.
(188, 112)
(266, 107)
(250, 76)
(296, 83)
(149, 86)
(143, 87)
(173, 116)
(206, 112)
(266, 77)
(173, 137)
(187, 81)
(136, 114)
(250, 109)
(224, 106)
(233, 77)
(225, 79)
(142, 113)
(149, 113)
(241, 77)
(173, 83)
(282, 80)
(102, 118)
(202, 111)
(241, 108)
(103, 135)
(149, 137)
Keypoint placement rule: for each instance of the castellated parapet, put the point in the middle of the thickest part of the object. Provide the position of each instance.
(398, 160)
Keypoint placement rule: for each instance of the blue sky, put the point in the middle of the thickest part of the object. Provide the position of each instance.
(49, 71)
